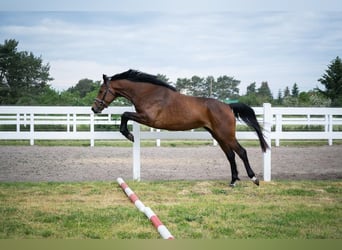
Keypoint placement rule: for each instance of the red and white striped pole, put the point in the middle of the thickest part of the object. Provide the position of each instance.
(163, 231)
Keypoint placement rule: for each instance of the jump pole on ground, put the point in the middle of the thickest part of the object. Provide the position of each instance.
(163, 231)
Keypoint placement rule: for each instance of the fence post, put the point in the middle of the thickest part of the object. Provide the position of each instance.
(136, 151)
(330, 129)
(92, 129)
(31, 129)
(18, 122)
(267, 132)
(158, 140)
(74, 122)
(278, 129)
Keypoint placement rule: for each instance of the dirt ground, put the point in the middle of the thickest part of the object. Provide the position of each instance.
(38, 163)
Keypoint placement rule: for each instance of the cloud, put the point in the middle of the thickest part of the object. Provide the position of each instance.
(172, 6)
(67, 73)
(278, 47)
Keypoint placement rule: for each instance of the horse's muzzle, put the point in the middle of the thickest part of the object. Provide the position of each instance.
(96, 110)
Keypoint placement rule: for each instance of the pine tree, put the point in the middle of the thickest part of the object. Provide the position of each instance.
(286, 91)
(265, 92)
(280, 97)
(251, 89)
(295, 90)
(332, 81)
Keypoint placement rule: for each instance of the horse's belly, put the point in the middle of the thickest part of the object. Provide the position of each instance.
(178, 124)
(185, 114)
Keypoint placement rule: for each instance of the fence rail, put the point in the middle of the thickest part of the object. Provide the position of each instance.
(79, 123)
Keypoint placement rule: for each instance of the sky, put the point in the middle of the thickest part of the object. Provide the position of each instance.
(279, 45)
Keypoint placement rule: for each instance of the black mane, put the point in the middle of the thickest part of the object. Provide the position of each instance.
(137, 76)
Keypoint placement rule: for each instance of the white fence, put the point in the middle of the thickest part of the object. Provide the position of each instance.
(79, 123)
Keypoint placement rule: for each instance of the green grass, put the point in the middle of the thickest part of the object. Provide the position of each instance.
(190, 210)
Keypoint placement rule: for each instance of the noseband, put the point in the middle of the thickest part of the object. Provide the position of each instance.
(102, 101)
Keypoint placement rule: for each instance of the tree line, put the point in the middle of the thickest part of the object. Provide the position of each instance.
(24, 80)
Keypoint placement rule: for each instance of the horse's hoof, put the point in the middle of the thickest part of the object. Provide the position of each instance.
(233, 182)
(255, 180)
(130, 137)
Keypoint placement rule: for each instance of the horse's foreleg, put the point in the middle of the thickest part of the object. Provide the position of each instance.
(124, 119)
(123, 126)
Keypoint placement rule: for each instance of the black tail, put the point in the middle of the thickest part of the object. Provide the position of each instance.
(247, 114)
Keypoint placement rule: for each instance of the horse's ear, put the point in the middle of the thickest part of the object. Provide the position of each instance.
(104, 77)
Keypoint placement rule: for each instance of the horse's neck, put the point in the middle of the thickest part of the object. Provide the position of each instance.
(122, 89)
(140, 93)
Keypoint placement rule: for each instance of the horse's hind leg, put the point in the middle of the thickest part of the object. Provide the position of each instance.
(243, 155)
(229, 154)
(231, 158)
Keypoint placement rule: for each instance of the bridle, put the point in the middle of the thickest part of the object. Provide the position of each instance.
(102, 103)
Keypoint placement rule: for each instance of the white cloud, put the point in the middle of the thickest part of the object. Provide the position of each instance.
(68, 72)
(278, 47)
(170, 5)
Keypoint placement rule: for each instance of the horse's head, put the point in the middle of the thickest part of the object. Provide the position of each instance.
(105, 96)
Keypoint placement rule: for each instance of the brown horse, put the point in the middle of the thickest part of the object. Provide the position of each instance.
(159, 105)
